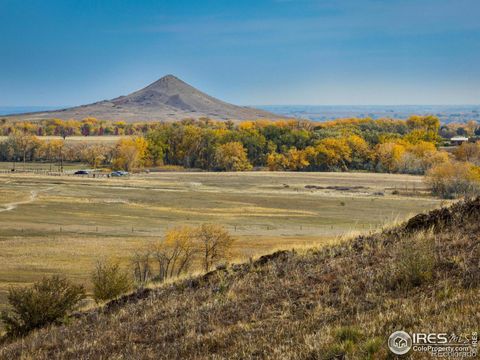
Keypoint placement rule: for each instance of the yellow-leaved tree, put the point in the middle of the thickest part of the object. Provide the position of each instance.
(175, 254)
(232, 156)
(215, 244)
(94, 154)
(130, 153)
(52, 150)
(389, 155)
(333, 153)
(468, 152)
(454, 179)
(276, 162)
(361, 152)
(298, 159)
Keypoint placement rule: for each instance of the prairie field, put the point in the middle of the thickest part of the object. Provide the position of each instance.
(63, 224)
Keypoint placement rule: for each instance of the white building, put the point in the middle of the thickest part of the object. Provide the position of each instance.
(458, 140)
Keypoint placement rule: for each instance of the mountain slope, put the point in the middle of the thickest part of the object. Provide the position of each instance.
(337, 302)
(167, 99)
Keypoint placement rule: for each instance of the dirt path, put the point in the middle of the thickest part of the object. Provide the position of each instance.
(14, 205)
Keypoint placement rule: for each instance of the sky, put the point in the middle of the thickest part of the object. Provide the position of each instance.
(318, 52)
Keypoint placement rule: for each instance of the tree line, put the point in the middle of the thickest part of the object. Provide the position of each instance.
(409, 146)
(351, 144)
(87, 127)
(91, 126)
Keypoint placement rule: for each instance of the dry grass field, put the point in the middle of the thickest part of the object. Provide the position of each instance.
(52, 224)
(336, 302)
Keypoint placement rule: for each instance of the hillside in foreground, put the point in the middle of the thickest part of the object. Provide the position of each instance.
(337, 302)
(167, 99)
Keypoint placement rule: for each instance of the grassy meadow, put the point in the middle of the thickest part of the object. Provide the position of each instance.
(51, 224)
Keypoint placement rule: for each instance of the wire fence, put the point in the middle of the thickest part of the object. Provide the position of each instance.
(156, 231)
(54, 173)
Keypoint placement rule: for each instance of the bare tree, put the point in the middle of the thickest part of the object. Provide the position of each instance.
(142, 267)
(179, 250)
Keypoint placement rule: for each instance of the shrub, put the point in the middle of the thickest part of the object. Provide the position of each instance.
(47, 301)
(455, 179)
(349, 342)
(332, 351)
(414, 262)
(372, 347)
(109, 281)
(348, 333)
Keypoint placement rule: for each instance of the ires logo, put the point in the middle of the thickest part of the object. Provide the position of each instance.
(401, 342)
(436, 344)
(430, 339)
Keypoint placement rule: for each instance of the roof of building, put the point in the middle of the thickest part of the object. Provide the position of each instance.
(459, 138)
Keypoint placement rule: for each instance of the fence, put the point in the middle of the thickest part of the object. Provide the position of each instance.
(53, 173)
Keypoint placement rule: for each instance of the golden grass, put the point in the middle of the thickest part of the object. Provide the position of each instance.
(74, 221)
(338, 301)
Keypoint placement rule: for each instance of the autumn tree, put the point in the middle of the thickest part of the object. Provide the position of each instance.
(142, 266)
(157, 146)
(130, 153)
(94, 154)
(389, 155)
(471, 126)
(454, 179)
(232, 156)
(361, 153)
(293, 159)
(252, 139)
(180, 250)
(333, 153)
(214, 244)
(468, 152)
(427, 122)
(276, 162)
(22, 144)
(297, 160)
(424, 127)
(176, 253)
(52, 150)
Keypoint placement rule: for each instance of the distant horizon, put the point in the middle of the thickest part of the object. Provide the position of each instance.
(460, 113)
(57, 107)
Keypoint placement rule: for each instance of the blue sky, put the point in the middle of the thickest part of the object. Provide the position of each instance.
(69, 52)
